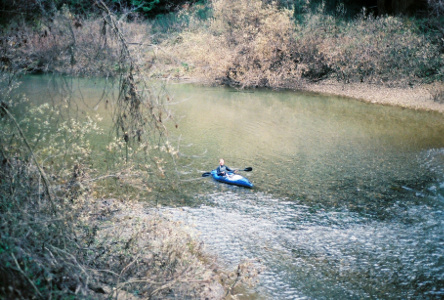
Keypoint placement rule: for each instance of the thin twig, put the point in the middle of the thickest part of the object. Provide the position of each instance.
(169, 283)
(127, 267)
(42, 173)
(24, 274)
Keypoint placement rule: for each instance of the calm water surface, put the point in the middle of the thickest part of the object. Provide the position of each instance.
(348, 200)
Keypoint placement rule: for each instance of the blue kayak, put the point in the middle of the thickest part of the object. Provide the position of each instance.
(231, 178)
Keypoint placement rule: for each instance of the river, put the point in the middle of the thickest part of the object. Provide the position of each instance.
(348, 201)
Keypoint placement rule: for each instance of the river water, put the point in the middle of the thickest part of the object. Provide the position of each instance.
(348, 200)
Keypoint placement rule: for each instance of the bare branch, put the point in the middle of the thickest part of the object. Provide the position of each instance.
(42, 173)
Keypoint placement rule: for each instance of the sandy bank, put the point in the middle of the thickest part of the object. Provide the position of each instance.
(418, 97)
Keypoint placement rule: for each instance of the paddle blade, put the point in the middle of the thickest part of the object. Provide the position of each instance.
(206, 174)
(248, 169)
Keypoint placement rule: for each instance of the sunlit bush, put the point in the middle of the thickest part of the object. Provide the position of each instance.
(253, 44)
(248, 43)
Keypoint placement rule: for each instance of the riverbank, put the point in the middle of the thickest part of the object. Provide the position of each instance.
(419, 97)
(165, 257)
(426, 97)
(364, 51)
(265, 47)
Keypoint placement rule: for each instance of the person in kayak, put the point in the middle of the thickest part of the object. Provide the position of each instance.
(223, 170)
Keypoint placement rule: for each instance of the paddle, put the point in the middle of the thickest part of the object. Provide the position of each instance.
(247, 169)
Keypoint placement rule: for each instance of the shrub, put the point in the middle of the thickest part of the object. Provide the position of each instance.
(436, 7)
(254, 44)
(380, 49)
(69, 44)
(248, 43)
(40, 219)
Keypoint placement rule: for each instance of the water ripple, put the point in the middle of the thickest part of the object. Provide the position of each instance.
(322, 254)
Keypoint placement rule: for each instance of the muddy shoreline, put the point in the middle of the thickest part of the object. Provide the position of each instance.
(418, 97)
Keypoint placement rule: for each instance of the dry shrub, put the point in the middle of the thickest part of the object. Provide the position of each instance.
(40, 246)
(148, 256)
(248, 43)
(253, 44)
(436, 91)
(42, 236)
(67, 44)
(380, 50)
(204, 53)
(436, 7)
(93, 249)
(310, 35)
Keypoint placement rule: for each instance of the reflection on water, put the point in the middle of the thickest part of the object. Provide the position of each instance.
(348, 200)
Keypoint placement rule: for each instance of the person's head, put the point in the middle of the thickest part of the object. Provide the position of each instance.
(221, 162)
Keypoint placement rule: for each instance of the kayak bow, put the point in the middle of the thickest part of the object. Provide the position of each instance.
(231, 178)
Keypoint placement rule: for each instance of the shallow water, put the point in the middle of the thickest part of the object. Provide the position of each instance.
(348, 200)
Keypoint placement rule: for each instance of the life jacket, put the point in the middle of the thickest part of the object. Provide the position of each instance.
(222, 169)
